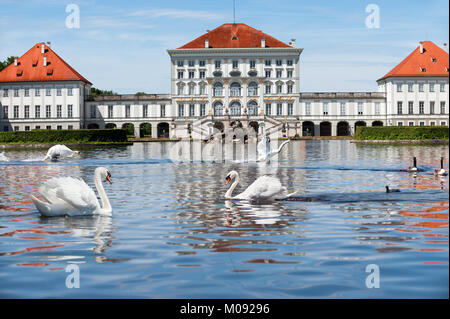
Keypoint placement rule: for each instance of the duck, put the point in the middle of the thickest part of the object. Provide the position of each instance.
(393, 190)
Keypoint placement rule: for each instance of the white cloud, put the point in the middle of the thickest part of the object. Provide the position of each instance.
(178, 14)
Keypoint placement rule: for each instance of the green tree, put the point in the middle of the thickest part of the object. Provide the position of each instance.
(95, 92)
(7, 62)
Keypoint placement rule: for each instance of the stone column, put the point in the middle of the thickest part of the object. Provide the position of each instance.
(137, 130)
(154, 130)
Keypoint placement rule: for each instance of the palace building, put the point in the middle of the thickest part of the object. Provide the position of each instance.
(234, 75)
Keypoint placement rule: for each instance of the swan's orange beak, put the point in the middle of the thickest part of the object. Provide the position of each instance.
(228, 179)
(108, 178)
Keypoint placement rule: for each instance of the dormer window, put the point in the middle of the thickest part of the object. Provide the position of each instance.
(19, 72)
(49, 72)
(423, 69)
(234, 38)
(433, 60)
(235, 64)
(35, 62)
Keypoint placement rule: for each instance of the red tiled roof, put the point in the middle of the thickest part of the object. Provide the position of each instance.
(432, 62)
(31, 67)
(244, 35)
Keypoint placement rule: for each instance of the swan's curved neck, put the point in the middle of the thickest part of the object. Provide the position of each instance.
(106, 206)
(232, 187)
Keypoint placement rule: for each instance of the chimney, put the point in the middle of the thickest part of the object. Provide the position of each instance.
(421, 47)
(48, 44)
(263, 43)
(42, 48)
(206, 43)
(292, 43)
(445, 47)
(15, 61)
(45, 61)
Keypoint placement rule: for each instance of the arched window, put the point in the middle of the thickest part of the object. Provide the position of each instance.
(235, 108)
(218, 109)
(192, 89)
(253, 89)
(180, 89)
(252, 108)
(218, 89)
(235, 89)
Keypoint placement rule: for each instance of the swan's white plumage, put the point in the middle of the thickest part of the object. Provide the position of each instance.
(263, 187)
(59, 151)
(3, 157)
(72, 197)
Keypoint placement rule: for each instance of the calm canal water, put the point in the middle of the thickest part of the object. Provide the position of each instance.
(173, 236)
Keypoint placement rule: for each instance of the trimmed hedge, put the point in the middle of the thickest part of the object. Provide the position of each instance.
(401, 133)
(63, 136)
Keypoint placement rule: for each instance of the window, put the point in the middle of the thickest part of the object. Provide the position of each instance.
(399, 87)
(110, 111)
(235, 64)
(70, 127)
(325, 108)
(5, 93)
(217, 64)
(58, 92)
(37, 111)
(26, 113)
(94, 111)
(145, 111)
(399, 123)
(235, 89)
(37, 92)
(442, 87)
(162, 111)
(218, 89)
(308, 108)
(289, 73)
(442, 107)
(191, 74)
(16, 92)
(421, 107)
(218, 109)
(127, 110)
(202, 89)
(16, 111)
(267, 62)
(253, 89)
(16, 128)
(290, 108)
(399, 107)
(37, 127)
(360, 108)
(191, 62)
(278, 62)
(443, 123)
(420, 87)
(27, 92)
(279, 88)
(377, 108)
(191, 89)
(342, 109)
(201, 63)
(180, 110)
(5, 111)
(180, 89)
(59, 127)
(252, 108)
(59, 111)
(289, 62)
(191, 110)
(180, 74)
(252, 64)
(268, 73)
(431, 87)
(268, 88)
(431, 107)
(410, 87)
(27, 128)
(410, 123)
(202, 109)
(48, 92)
(279, 73)
(289, 88)
(268, 108)
(48, 111)
(235, 108)
(48, 127)
(69, 110)
(279, 109)
(432, 123)
(69, 92)
(421, 123)
(410, 107)
(202, 74)
(180, 63)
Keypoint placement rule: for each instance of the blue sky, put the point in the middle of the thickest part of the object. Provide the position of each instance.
(121, 45)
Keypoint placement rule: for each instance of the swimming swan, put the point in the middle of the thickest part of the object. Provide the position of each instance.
(59, 151)
(72, 196)
(264, 187)
(264, 150)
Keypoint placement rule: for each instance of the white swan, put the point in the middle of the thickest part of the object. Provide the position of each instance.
(72, 196)
(264, 150)
(264, 187)
(59, 151)
(3, 157)
(442, 171)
